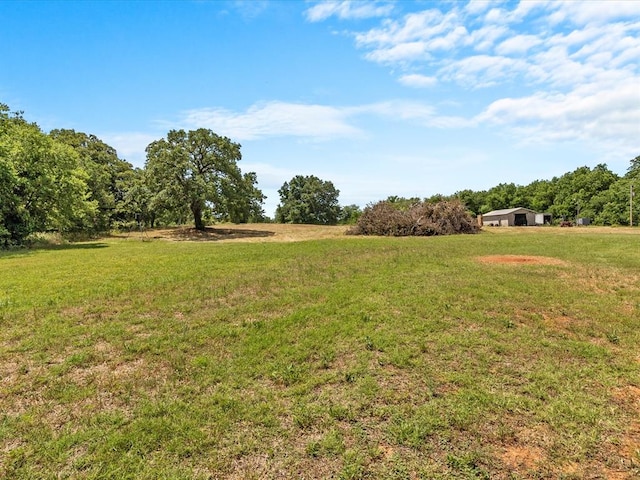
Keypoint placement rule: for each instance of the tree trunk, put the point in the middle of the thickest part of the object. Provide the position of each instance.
(197, 217)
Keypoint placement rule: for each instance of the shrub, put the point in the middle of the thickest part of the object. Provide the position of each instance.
(420, 219)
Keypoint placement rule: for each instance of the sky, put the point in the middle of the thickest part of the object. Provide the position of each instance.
(379, 97)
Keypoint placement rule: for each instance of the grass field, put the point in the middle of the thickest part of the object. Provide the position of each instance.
(512, 354)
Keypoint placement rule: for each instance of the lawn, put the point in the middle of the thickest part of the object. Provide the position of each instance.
(509, 354)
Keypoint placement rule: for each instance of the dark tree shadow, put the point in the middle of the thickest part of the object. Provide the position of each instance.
(213, 234)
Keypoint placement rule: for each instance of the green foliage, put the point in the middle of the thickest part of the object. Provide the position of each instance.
(44, 186)
(244, 204)
(197, 171)
(611, 206)
(633, 172)
(402, 203)
(107, 176)
(308, 199)
(575, 191)
(349, 214)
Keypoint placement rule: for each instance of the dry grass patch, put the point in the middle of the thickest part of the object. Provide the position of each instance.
(597, 230)
(628, 397)
(254, 232)
(520, 260)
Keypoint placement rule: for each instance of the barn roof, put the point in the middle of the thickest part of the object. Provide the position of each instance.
(506, 211)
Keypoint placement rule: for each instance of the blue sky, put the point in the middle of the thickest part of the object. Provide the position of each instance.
(380, 97)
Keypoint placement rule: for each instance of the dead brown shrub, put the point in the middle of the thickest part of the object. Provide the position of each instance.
(420, 219)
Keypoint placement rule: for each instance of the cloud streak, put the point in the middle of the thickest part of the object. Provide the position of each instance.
(274, 119)
(348, 10)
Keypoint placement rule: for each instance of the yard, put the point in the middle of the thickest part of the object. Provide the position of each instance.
(271, 351)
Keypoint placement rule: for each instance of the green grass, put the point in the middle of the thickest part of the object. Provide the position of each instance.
(349, 358)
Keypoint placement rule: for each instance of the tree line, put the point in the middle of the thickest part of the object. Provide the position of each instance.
(596, 193)
(68, 181)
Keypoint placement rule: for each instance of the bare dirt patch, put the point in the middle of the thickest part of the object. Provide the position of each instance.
(521, 458)
(629, 397)
(520, 260)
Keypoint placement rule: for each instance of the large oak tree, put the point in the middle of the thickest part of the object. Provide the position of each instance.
(198, 170)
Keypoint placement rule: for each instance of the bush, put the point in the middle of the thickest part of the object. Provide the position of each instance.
(420, 219)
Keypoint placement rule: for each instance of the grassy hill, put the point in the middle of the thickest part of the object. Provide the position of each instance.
(509, 354)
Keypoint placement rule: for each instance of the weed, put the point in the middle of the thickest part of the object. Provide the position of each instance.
(613, 337)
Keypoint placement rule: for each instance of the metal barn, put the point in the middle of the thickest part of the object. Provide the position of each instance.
(510, 217)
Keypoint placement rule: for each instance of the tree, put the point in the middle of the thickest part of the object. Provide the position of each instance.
(575, 191)
(472, 200)
(402, 203)
(43, 185)
(634, 168)
(244, 204)
(106, 174)
(135, 205)
(198, 171)
(307, 199)
(349, 214)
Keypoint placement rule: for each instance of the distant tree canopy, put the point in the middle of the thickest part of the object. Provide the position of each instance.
(197, 171)
(68, 181)
(308, 199)
(596, 192)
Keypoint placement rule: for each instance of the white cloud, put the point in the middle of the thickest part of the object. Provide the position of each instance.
(418, 81)
(421, 26)
(619, 42)
(475, 7)
(518, 44)
(523, 9)
(496, 15)
(480, 71)
(414, 38)
(595, 12)
(574, 64)
(574, 80)
(403, 52)
(451, 40)
(526, 7)
(484, 38)
(589, 114)
(281, 119)
(274, 119)
(347, 9)
(413, 112)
